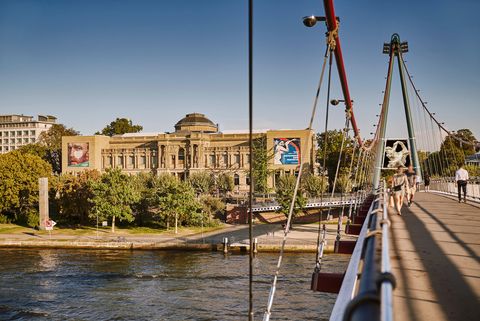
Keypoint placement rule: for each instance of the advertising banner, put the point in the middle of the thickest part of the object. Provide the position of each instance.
(78, 155)
(286, 151)
(397, 153)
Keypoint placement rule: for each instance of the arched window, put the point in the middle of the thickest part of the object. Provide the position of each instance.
(236, 179)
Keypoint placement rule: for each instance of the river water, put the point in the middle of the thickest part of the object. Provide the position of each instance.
(50, 284)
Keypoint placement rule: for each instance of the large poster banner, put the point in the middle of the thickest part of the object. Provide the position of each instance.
(397, 153)
(286, 151)
(78, 155)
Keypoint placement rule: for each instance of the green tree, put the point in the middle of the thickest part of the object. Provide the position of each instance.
(314, 185)
(34, 149)
(73, 194)
(333, 141)
(224, 183)
(19, 174)
(344, 183)
(260, 167)
(52, 141)
(213, 207)
(120, 126)
(284, 196)
(202, 182)
(171, 199)
(113, 197)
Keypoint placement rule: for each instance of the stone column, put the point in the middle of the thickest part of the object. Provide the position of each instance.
(43, 201)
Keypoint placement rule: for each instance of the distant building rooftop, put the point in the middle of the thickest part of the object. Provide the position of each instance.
(15, 118)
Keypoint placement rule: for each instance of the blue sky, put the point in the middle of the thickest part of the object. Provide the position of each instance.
(88, 62)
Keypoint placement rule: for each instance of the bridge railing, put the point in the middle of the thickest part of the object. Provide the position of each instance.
(366, 292)
(448, 186)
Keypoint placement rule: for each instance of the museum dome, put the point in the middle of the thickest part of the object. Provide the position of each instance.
(196, 122)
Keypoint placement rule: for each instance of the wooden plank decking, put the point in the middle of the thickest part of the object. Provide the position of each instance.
(436, 260)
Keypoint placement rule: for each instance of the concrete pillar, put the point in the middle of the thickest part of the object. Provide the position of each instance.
(43, 201)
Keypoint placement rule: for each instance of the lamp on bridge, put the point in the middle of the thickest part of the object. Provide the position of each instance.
(335, 102)
(311, 21)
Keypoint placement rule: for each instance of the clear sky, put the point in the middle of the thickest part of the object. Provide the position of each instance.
(88, 62)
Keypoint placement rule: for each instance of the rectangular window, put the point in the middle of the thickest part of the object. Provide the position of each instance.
(12, 133)
(154, 161)
(32, 133)
(19, 140)
(25, 133)
(108, 161)
(212, 160)
(119, 161)
(225, 159)
(19, 133)
(141, 161)
(12, 140)
(237, 159)
(25, 140)
(32, 140)
(130, 161)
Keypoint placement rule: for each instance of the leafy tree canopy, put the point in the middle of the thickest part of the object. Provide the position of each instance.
(19, 174)
(202, 182)
(120, 126)
(113, 197)
(260, 167)
(285, 189)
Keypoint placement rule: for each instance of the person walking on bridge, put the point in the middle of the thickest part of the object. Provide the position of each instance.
(412, 184)
(461, 178)
(399, 186)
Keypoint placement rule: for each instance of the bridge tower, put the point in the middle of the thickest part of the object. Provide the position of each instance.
(395, 48)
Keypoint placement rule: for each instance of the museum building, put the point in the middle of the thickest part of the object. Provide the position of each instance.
(195, 145)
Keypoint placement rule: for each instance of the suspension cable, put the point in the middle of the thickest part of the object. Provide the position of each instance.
(271, 296)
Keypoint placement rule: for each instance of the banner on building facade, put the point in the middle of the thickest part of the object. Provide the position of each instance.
(78, 155)
(286, 151)
(397, 153)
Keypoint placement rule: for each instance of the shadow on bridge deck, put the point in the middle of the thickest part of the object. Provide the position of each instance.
(435, 258)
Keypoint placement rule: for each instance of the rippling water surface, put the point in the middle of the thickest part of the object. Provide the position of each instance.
(155, 285)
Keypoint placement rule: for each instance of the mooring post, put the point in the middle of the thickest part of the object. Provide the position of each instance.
(225, 245)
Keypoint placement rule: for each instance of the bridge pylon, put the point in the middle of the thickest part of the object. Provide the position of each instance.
(395, 48)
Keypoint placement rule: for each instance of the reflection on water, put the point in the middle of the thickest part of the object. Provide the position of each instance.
(155, 285)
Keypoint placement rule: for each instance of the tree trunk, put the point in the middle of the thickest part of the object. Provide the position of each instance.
(176, 223)
(113, 224)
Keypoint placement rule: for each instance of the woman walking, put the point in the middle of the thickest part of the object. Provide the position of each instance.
(399, 187)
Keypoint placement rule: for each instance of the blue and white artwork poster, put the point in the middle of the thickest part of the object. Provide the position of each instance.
(286, 151)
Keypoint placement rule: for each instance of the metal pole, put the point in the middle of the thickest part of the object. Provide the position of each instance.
(250, 156)
(408, 115)
(383, 120)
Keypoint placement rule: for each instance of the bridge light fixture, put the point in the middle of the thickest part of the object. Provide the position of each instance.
(335, 102)
(310, 21)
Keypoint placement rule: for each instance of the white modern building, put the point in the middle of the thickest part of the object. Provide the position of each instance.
(19, 130)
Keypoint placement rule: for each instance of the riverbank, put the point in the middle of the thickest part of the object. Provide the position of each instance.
(302, 239)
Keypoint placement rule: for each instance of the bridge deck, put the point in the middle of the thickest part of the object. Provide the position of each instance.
(435, 258)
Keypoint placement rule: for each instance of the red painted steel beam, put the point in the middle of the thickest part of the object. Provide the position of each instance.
(331, 25)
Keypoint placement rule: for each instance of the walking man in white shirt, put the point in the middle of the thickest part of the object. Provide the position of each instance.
(461, 178)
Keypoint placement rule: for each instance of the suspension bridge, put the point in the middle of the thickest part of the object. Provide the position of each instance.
(413, 263)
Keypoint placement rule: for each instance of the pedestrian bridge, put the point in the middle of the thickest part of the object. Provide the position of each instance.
(435, 258)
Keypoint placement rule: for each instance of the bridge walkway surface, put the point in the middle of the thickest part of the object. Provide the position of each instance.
(435, 259)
